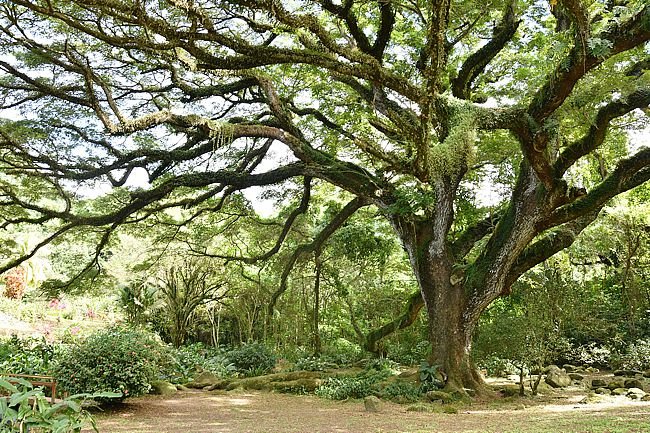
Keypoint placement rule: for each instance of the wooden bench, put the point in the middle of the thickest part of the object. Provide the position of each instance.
(45, 381)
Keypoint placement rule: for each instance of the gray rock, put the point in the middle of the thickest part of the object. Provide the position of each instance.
(634, 383)
(635, 393)
(571, 368)
(442, 396)
(603, 391)
(645, 397)
(646, 373)
(592, 370)
(372, 404)
(598, 383)
(203, 380)
(619, 391)
(616, 383)
(591, 399)
(182, 388)
(550, 368)
(557, 378)
(576, 376)
(160, 387)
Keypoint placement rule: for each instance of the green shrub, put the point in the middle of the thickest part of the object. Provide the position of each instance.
(401, 392)
(636, 356)
(119, 360)
(498, 367)
(26, 356)
(591, 354)
(359, 386)
(430, 377)
(342, 351)
(382, 364)
(410, 354)
(137, 302)
(252, 359)
(27, 409)
(313, 363)
(188, 360)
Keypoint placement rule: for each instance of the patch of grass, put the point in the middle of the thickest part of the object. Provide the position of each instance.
(420, 407)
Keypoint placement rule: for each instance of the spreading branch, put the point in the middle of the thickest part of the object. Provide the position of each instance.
(317, 244)
(476, 62)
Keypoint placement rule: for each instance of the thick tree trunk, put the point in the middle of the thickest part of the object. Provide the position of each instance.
(455, 291)
(451, 319)
(450, 334)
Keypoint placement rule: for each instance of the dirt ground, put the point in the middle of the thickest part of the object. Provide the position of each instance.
(257, 412)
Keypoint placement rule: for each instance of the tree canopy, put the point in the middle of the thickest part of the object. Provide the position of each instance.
(408, 106)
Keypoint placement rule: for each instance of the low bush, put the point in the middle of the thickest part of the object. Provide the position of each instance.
(342, 351)
(382, 364)
(430, 377)
(252, 359)
(26, 356)
(120, 360)
(410, 354)
(401, 392)
(28, 410)
(188, 360)
(591, 354)
(636, 356)
(312, 363)
(359, 386)
(498, 367)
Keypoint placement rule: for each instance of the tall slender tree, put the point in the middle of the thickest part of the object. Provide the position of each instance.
(400, 103)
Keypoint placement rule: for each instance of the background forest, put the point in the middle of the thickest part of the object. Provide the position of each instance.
(587, 305)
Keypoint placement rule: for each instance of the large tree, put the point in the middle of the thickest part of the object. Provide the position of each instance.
(402, 104)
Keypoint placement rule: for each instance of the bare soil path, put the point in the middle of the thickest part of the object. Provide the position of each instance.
(258, 412)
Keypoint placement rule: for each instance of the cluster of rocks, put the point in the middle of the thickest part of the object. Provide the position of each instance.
(558, 377)
(630, 383)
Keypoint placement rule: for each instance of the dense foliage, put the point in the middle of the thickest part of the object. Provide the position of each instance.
(119, 360)
(358, 386)
(252, 359)
(189, 360)
(28, 410)
(26, 356)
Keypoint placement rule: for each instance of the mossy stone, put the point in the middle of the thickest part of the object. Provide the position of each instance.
(160, 387)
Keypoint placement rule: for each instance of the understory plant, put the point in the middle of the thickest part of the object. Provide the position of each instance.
(430, 377)
(26, 409)
(120, 360)
(252, 359)
(186, 361)
(401, 392)
(358, 386)
(635, 356)
(26, 355)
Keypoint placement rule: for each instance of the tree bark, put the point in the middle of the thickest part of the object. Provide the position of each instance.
(451, 322)
(450, 333)
(455, 293)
